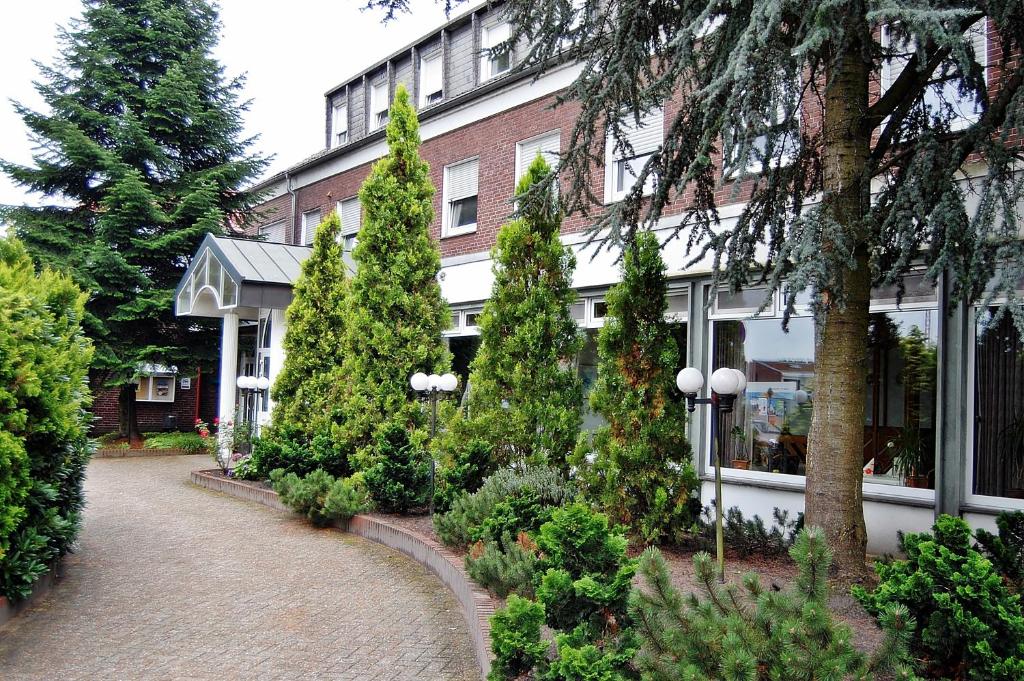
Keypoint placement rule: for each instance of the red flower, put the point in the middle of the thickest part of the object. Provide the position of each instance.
(198, 421)
(216, 420)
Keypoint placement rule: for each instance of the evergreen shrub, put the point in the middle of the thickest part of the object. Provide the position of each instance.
(344, 499)
(515, 638)
(462, 524)
(320, 496)
(750, 536)
(1006, 549)
(747, 632)
(640, 472)
(471, 463)
(972, 626)
(44, 362)
(400, 479)
(526, 397)
(505, 566)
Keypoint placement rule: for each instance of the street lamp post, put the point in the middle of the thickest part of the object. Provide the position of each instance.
(250, 386)
(726, 384)
(431, 387)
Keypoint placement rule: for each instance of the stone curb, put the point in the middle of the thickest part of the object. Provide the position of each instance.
(477, 604)
(40, 590)
(124, 453)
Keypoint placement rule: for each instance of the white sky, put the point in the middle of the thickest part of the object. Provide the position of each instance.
(292, 52)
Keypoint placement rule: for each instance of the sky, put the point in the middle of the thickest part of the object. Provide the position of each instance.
(291, 53)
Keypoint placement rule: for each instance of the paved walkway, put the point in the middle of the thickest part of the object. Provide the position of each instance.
(176, 582)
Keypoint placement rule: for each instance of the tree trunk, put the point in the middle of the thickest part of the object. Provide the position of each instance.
(834, 498)
(128, 416)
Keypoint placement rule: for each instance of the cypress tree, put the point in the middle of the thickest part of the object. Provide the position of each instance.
(396, 314)
(313, 339)
(525, 396)
(142, 143)
(641, 475)
(845, 188)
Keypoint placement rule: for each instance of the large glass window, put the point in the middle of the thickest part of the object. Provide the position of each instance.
(769, 427)
(998, 409)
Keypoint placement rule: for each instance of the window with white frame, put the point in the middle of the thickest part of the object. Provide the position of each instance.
(310, 221)
(547, 146)
(350, 213)
(746, 142)
(155, 388)
(460, 197)
(274, 233)
(944, 94)
(379, 105)
(623, 165)
(465, 322)
(431, 79)
(499, 61)
(339, 124)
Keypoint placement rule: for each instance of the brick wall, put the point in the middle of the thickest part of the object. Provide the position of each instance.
(152, 415)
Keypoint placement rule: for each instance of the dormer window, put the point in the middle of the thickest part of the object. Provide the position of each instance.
(431, 80)
(339, 124)
(379, 105)
(495, 63)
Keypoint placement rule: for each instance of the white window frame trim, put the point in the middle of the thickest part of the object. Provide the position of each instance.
(335, 118)
(303, 230)
(150, 398)
(612, 159)
(437, 56)
(446, 229)
(374, 112)
(344, 232)
(520, 168)
(486, 57)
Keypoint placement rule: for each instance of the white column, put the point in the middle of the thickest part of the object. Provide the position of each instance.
(228, 367)
(277, 329)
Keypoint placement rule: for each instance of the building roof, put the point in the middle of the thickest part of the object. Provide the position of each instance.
(259, 261)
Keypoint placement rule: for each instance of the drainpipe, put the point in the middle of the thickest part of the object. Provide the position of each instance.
(291, 223)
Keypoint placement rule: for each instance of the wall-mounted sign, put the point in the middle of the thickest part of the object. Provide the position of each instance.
(186, 383)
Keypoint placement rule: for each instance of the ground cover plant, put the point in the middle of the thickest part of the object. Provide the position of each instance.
(189, 443)
(44, 448)
(970, 625)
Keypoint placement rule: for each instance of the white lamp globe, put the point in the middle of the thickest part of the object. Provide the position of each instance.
(419, 381)
(743, 381)
(689, 381)
(801, 396)
(243, 382)
(433, 381)
(448, 383)
(725, 381)
(262, 383)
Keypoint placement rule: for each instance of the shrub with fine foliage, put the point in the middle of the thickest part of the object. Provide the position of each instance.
(400, 479)
(44, 362)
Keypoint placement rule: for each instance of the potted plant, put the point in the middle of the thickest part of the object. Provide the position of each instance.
(911, 460)
(741, 457)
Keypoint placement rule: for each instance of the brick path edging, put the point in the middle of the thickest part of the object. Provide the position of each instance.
(477, 604)
(40, 590)
(119, 453)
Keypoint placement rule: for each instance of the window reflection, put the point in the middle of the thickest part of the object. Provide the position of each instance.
(998, 409)
(769, 427)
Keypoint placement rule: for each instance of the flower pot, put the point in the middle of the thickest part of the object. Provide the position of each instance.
(741, 464)
(917, 481)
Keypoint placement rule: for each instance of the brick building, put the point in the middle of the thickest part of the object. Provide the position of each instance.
(164, 401)
(482, 121)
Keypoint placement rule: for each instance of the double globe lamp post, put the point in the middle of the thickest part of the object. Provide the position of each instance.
(250, 386)
(431, 388)
(726, 384)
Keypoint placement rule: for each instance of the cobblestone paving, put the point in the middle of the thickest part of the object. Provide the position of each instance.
(175, 582)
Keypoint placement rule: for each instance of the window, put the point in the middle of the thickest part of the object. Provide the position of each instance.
(998, 461)
(339, 124)
(350, 213)
(431, 79)
(768, 428)
(460, 196)
(547, 145)
(465, 322)
(379, 105)
(623, 165)
(942, 98)
(274, 233)
(745, 143)
(156, 388)
(310, 221)
(494, 63)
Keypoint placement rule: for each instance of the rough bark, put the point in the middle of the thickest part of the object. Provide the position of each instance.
(836, 439)
(128, 419)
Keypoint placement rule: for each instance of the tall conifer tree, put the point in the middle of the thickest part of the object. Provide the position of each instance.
(314, 337)
(847, 126)
(525, 395)
(642, 474)
(396, 314)
(141, 142)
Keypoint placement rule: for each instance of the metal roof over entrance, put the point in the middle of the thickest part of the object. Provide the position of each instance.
(238, 275)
